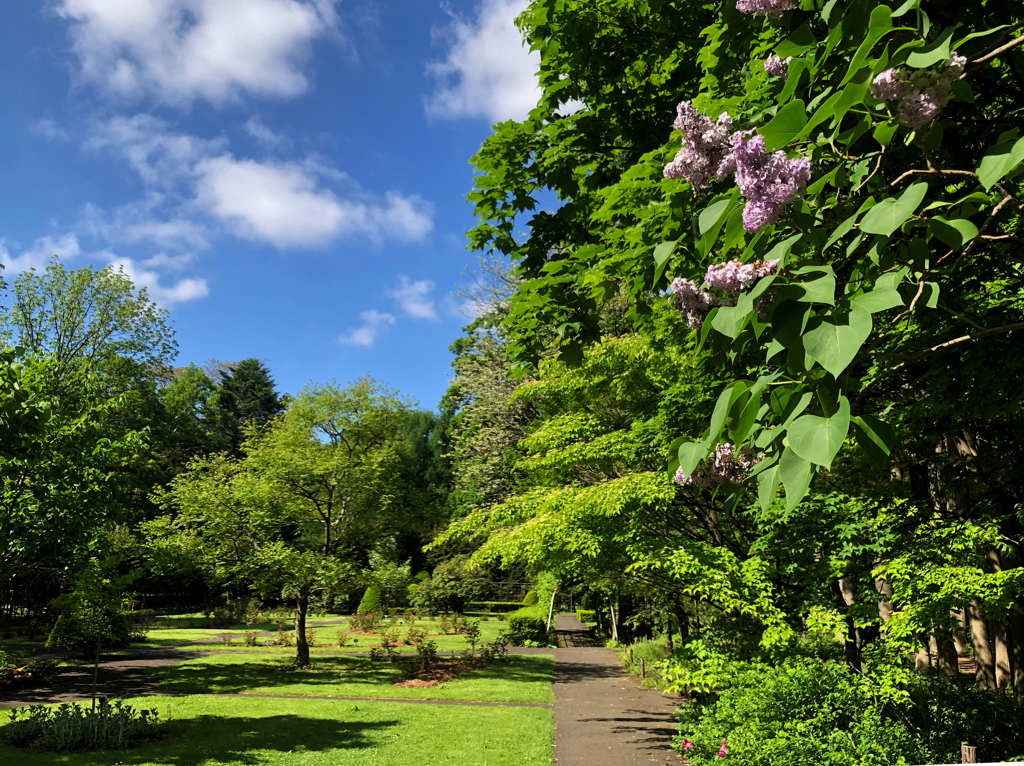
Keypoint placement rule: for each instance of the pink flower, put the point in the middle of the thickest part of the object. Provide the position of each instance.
(777, 67)
(687, 745)
(721, 752)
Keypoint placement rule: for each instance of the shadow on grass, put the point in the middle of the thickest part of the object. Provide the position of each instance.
(361, 674)
(222, 739)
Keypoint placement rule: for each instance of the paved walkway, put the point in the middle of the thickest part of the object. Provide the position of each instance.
(602, 717)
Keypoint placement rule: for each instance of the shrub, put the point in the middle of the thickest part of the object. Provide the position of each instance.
(76, 727)
(535, 612)
(530, 599)
(373, 601)
(342, 637)
(310, 637)
(82, 626)
(426, 655)
(586, 615)
(808, 711)
(367, 622)
(449, 589)
(523, 629)
(252, 637)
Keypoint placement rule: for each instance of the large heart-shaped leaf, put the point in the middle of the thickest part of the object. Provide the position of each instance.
(889, 214)
(875, 437)
(796, 475)
(1000, 160)
(955, 233)
(834, 342)
(819, 439)
(785, 126)
(690, 454)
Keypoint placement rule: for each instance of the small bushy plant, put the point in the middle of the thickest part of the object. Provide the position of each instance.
(343, 638)
(524, 628)
(530, 599)
(367, 622)
(373, 601)
(426, 655)
(586, 615)
(71, 726)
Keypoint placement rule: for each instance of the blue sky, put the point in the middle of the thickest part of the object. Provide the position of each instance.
(286, 177)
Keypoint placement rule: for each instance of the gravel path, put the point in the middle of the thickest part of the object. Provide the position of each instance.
(602, 717)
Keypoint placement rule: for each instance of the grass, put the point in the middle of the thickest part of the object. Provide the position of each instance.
(210, 731)
(525, 678)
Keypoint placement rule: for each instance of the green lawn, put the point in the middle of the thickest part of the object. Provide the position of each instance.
(521, 679)
(211, 731)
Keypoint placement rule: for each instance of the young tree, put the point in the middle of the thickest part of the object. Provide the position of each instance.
(308, 499)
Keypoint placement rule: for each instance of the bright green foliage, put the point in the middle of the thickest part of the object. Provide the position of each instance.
(524, 629)
(92, 616)
(530, 598)
(372, 601)
(59, 477)
(807, 711)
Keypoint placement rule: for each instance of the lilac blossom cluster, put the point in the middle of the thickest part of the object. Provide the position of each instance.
(772, 8)
(777, 67)
(769, 181)
(694, 303)
(920, 95)
(733, 277)
(728, 467)
(705, 146)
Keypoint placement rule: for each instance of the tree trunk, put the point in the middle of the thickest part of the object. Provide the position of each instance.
(670, 644)
(301, 646)
(945, 651)
(1017, 644)
(960, 634)
(684, 624)
(984, 660)
(843, 591)
(923, 658)
(885, 591)
(1004, 657)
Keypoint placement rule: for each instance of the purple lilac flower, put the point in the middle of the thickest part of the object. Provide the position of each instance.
(693, 302)
(770, 182)
(921, 94)
(890, 85)
(777, 67)
(733, 277)
(728, 467)
(772, 8)
(705, 146)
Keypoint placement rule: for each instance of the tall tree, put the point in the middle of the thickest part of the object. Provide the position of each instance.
(87, 319)
(248, 397)
(300, 510)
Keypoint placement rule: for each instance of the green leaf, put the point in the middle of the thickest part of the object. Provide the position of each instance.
(662, 253)
(730, 320)
(722, 407)
(932, 53)
(785, 126)
(879, 299)
(796, 475)
(820, 290)
(998, 161)
(955, 233)
(780, 251)
(713, 215)
(800, 41)
(885, 131)
(767, 486)
(690, 455)
(875, 437)
(835, 341)
(889, 214)
(879, 25)
(819, 439)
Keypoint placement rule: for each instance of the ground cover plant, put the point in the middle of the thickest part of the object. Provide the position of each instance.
(211, 731)
(520, 679)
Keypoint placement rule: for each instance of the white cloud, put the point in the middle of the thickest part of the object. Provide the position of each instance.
(39, 254)
(284, 204)
(162, 158)
(177, 51)
(264, 136)
(488, 71)
(154, 218)
(142, 274)
(373, 323)
(414, 297)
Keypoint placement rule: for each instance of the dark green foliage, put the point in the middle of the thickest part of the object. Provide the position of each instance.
(76, 727)
(373, 601)
(522, 629)
(449, 589)
(809, 711)
(530, 598)
(93, 616)
(249, 398)
(493, 606)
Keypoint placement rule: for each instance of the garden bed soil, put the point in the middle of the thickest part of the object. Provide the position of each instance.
(440, 672)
